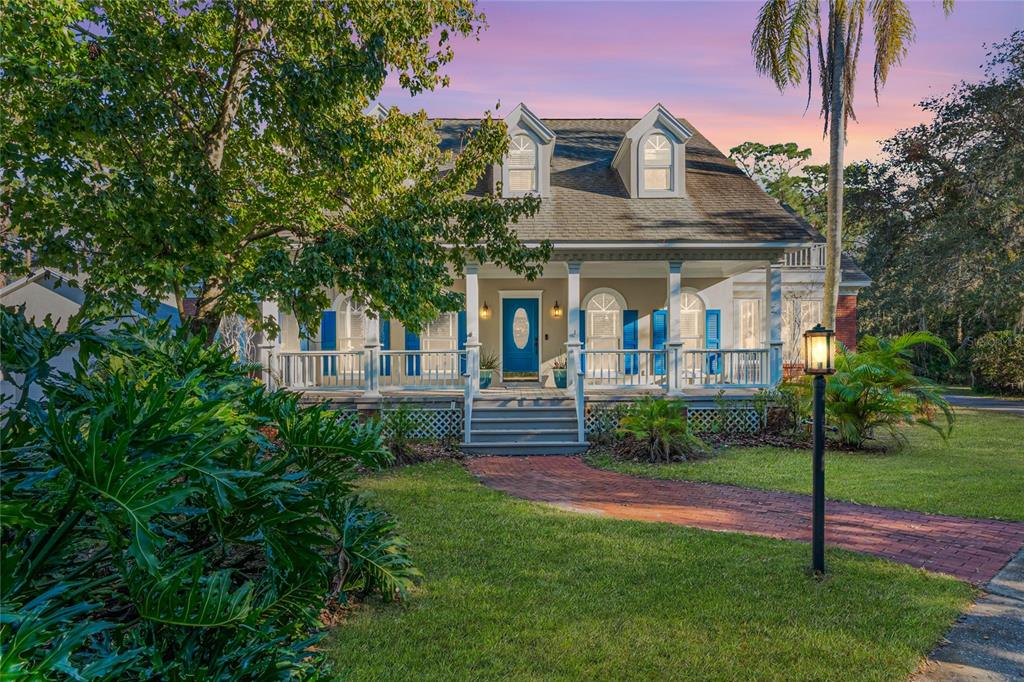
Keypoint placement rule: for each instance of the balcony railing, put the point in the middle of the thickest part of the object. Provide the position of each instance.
(746, 367)
(321, 369)
(809, 258)
(736, 368)
(615, 368)
(422, 368)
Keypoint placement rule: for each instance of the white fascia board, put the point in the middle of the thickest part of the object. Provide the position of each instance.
(32, 277)
(522, 115)
(666, 118)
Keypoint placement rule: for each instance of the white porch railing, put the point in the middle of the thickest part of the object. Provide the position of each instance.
(422, 368)
(621, 368)
(809, 258)
(738, 368)
(321, 369)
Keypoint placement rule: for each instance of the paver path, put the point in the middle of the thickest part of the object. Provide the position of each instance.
(970, 549)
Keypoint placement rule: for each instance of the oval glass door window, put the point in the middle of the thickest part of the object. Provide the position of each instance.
(520, 328)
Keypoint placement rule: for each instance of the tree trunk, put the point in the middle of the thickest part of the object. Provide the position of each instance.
(837, 142)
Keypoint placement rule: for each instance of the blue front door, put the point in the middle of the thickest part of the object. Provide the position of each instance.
(519, 341)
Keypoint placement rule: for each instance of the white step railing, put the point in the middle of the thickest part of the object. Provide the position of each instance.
(738, 368)
(422, 368)
(619, 368)
(321, 369)
(808, 258)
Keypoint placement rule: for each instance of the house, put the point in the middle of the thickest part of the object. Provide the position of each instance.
(48, 293)
(672, 272)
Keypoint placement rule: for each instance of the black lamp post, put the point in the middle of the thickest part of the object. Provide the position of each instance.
(819, 358)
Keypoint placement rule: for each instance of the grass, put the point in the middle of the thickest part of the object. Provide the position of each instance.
(978, 473)
(967, 391)
(515, 590)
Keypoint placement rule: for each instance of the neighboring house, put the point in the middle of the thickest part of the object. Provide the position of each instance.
(45, 292)
(672, 272)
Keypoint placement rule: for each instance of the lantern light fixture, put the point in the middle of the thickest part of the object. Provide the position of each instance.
(556, 311)
(485, 312)
(819, 351)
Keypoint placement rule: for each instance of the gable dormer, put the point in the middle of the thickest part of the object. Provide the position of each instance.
(526, 168)
(651, 159)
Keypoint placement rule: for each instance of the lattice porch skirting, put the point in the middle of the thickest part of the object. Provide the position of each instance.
(743, 418)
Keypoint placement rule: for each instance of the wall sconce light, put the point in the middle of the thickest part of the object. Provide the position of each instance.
(556, 312)
(485, 312)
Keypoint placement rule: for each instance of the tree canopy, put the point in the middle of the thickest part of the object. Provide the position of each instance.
(222, 150)
(938, 221)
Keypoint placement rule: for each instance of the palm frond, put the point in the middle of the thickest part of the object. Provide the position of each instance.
(894, 31)
(768, 41)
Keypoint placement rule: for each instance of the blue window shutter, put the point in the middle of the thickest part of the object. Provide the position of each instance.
(385, 344)
(583, 339)
(713, 334)
(462, 341)
(412, 362)
(631, 340)
(329, 339)
(659, 335)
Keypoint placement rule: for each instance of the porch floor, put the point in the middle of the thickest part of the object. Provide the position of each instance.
(522, 391)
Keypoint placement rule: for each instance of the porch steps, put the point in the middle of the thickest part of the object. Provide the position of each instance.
(523, 426)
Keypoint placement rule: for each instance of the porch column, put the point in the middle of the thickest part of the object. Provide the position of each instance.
(371, 354)
(572, 312)
(267, 347)
(773, 321)
(675, 325)
(473, 326)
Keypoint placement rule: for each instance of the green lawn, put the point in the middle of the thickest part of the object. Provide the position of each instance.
(979, 473)
(516, 590)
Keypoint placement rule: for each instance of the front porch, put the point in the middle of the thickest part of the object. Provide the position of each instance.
(709, 323)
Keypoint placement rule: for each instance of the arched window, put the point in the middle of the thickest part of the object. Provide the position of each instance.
(691, 320)
(604, 319)
(657, 173)
(351, 321)
(522, 164)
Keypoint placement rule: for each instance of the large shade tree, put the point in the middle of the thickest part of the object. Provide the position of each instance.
(790, 38)
(221, 151)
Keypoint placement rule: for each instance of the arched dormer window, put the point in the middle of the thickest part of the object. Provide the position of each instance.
(658, 160)
(522, 164)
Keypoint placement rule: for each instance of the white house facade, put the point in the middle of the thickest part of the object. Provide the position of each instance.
(672, 272)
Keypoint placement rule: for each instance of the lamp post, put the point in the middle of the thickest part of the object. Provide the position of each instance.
(819, 359)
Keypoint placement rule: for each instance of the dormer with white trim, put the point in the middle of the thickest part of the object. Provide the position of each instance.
(651, 158)
(526, 169)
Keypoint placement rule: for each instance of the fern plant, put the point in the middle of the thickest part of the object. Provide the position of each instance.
(660, 427)
(875, 388)
(167, 518)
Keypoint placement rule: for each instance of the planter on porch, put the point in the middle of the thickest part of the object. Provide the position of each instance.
(561, 379)
(485, 377)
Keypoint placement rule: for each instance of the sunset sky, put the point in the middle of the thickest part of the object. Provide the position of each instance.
(617, 59)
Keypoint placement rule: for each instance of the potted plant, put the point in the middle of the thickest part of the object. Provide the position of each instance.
(488, 363)
(558, 371)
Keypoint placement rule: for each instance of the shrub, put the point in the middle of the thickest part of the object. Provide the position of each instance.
(400, 428)
(660, 429)
(165, 517)
(876, 388)
(997, 362)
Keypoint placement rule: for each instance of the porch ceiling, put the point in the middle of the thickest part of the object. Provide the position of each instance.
(636, 269)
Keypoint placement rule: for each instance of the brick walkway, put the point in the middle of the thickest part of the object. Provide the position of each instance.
(970, 549)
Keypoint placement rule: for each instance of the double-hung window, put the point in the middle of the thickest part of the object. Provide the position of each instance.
(657, 173)
(522, 164)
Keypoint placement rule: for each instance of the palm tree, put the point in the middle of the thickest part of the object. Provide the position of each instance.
(786, 35)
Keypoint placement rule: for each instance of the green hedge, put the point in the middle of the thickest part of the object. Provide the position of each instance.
(997, 362)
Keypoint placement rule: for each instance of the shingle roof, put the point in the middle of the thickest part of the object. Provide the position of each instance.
(589, 202)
